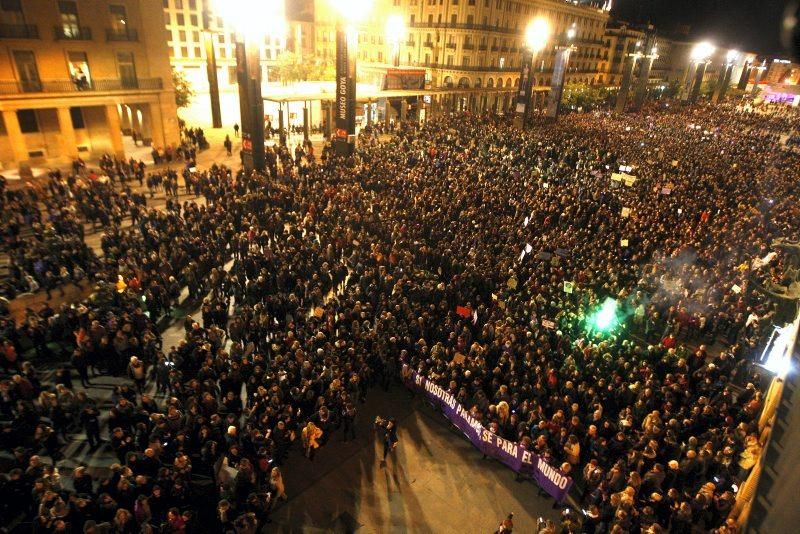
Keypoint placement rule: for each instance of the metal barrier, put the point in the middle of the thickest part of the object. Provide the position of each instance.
(748, 490)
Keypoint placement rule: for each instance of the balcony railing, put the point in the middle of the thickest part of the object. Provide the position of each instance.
(72, 33)
(124, 34)
(465, 26)
(410, 43)
(468, 46)
(14, 87)
(482, 48)
(429, 44)
(473, 68)
(19, 31)
(451, 45)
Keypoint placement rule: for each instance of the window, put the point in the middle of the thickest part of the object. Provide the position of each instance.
(77, 118)
(232, 75)
(178, 4)
(197, 52)
(184, 52)
(182, 36)
(11, 12)
(127, 69)
(196, 37)
(27, 121)
(453, 18)
(465, 61)
(192, 4)
(221, 38)
(70, 24)
(119, 18)
(78, 66)
(449, 60)
(502, 62)
(27, 71)
(193, 20)
(411, 20)
(179, 20)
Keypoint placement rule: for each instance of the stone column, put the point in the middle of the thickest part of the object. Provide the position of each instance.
(16, 138)
(125, 116)
(115, 131)
(403, 109)
(69, 143)
(153, 126)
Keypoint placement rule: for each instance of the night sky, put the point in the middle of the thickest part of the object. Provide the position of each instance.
(751, 25)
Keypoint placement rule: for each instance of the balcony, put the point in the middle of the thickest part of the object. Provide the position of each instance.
(465, 26)
(72, 33)
(482, 48)
(495, 48)
(468, 46)
(19, 31)
(451, 46)
(410, 43)
(428, 44)
(124, 34)
(14, 87)
(504, 49)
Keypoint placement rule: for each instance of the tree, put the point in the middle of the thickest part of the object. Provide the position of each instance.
(183, 89)
(291, 67)
(586, 97)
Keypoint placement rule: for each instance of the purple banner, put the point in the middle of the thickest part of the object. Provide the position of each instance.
(550, 479)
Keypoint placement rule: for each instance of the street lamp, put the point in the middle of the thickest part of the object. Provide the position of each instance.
(350, 13)
(560, 67)
(252, 21)
(724, 78)
(395, 31)
(699, 56)
(536, 36)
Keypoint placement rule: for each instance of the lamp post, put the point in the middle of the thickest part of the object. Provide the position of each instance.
(759, 74)
(536, 36)
(560, 67)
(350, 12)
(211, 66)
(724, 78)
(252, 21)
(627, 77)
(697, 70)
(395, 31)
(650, 55)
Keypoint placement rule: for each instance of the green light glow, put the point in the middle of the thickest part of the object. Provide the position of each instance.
(606, 317)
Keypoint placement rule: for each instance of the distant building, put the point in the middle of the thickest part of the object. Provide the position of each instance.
(77, 76)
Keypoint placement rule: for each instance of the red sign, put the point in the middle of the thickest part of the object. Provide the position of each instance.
(247, 144)
(341, 133)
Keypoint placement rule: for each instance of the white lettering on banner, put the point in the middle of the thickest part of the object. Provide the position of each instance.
(474, 424)
(507, 446)
(526, 457)
(441, 394)
(343, 97)
(552, 475)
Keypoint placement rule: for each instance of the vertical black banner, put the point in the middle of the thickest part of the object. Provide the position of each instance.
(345, 110)
(525, 87)
(557, 83)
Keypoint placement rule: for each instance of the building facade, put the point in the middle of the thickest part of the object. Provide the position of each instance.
(474, 45)
(77, 76)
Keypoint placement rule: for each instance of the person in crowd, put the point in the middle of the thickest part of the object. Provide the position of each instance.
(459, 250)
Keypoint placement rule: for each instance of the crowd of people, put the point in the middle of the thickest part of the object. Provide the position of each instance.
(462, 250)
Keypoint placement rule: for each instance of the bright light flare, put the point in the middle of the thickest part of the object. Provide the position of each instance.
(702, 51)
(778, 361)
(606, 317)
(571, 32)
(395, 29)
(352, 11)
(253, 19)
(732, 56)
(537, 34)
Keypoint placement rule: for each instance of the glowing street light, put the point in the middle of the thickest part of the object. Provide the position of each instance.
(732, 56)
(537, 34)
(702, 51)
(395, 32)
(251, 21)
